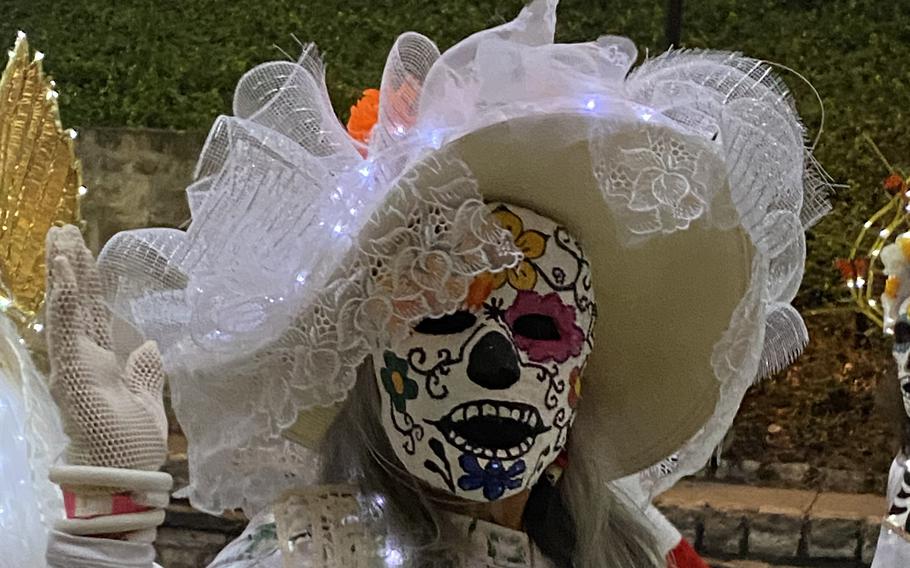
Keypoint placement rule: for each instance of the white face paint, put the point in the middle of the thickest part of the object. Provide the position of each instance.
(479, 402)
(901, 352)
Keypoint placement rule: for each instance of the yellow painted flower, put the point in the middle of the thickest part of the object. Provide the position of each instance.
(533, 244)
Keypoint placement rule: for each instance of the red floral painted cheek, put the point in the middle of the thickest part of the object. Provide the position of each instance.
(544, 327)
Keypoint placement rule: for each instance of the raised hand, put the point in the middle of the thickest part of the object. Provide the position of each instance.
(112, 410)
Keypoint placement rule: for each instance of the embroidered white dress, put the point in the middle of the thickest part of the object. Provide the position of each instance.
(489, 546)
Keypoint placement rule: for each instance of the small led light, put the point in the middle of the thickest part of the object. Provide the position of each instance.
(867, 224)
(301, 277)
(82, 190)
(872, 302)
(338, 228)
(20, 34)
(860, 282)
(884, 233)
(399, 130)
(436, 139)
(38, 327)
(364, 170)
(591, 104)
(39, 55)
(850, 283)
(646, 116)
(876, 252)
(72, 133)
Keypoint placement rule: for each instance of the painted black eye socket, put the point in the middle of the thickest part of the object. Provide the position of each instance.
(448, 324)
(902, 332)
(536, 326)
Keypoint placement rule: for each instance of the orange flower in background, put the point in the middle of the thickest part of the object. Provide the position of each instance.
(895, 184)
(851, 269)
(364, 116)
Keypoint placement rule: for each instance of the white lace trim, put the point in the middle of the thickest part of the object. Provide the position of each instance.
(776, 192)
(340, 526)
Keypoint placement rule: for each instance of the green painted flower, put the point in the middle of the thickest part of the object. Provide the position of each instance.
(395, 380)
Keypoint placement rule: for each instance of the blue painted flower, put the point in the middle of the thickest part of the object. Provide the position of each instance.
(494, 478)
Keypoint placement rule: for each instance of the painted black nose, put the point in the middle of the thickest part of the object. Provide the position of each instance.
(493, 363)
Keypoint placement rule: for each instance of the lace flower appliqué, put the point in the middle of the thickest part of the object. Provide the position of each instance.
(657, 183)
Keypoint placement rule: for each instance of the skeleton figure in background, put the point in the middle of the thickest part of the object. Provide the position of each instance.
(894, 541)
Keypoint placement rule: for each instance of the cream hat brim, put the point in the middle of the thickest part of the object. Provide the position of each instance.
(663, 304)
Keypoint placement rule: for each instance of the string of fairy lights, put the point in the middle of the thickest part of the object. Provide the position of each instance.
(863, 270)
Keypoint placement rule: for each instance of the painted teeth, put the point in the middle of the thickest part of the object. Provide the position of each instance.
(470, 411)
(488, 453)
(492, 409)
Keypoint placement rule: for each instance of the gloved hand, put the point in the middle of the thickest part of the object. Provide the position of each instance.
(113, 412)
(112, 409)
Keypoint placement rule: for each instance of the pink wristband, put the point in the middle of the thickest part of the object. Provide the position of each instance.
(97, 505)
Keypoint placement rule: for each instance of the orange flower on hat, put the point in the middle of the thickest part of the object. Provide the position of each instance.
(533, 245)
(364, 116)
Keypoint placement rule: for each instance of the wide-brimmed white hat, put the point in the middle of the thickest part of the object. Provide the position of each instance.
(686, 181)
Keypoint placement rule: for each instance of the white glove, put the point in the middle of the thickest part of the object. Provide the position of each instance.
(113, 413)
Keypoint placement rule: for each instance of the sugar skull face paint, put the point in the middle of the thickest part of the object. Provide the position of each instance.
(480, 401)
(901, 352)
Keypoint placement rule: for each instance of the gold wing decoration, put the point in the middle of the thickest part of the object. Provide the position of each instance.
(40, 180)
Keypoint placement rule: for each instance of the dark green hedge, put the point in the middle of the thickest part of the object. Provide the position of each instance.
(173, 64)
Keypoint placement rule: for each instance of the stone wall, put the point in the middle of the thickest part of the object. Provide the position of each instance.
(136, 178)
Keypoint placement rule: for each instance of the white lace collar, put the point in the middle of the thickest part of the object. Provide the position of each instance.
(495, 546)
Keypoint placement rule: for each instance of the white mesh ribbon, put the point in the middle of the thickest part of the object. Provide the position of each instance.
(776, 191)
(301, 256)
(302, 253)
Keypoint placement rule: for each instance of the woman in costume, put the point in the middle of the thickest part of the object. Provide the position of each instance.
(380, 358)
